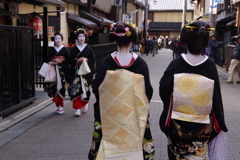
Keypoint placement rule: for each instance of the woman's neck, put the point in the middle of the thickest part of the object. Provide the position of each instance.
(80, 44)
(123, 50)
(57, 46)
(194, 58)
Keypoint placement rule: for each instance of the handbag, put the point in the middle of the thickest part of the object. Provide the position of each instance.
(43, 70)
(84, 68)
(217, 148)
(51, 75)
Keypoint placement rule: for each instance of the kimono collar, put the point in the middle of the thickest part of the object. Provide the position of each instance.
(81, 47)
(58, 48)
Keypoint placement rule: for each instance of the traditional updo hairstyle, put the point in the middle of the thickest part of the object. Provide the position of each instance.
(81, 31)
(123, 33)
(55, 34)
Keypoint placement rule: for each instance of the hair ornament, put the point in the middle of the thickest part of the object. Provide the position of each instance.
(80, 29)
(112, 25)
(60, 32)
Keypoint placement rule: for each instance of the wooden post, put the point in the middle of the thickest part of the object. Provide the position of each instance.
(45, 33)
(89, 6)
(184, 12)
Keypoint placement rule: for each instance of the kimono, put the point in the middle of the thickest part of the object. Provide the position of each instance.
(189, 139)
(110, 63)
(52, 90)
(76, 88)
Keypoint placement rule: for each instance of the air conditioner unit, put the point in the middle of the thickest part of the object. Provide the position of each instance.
(118, 3)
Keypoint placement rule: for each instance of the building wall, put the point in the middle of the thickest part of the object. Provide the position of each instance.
(202, 9)
(71, 8)
(25, 8)
(140, 18)
(64, 27)
(171, 16)
(131, 7)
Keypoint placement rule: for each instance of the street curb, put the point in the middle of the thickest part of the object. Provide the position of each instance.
(4, 125)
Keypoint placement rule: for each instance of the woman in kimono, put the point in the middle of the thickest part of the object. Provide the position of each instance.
(193, 111)
(79, 52)
(58, 56)
(114, 98)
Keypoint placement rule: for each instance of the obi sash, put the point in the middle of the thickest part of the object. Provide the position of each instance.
(58, 57)
(124, 111)
(192, 98)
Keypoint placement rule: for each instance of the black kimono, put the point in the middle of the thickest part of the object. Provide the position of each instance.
(63, 69)
(138, 66)
(207, 69)
(76, 87)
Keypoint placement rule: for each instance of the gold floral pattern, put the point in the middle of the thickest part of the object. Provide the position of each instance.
(187, 84)
(200, 98)
(192, 98)
(186, 109)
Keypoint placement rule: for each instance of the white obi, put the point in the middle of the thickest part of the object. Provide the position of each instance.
(192, 98)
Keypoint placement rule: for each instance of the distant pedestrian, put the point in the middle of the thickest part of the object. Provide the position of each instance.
(235, 62)
(173, 46)
(123, 91)
(180, 48)
(154, 46)
(147, 46)
(213, 48)
(159, 42)
(166, 41)
(142, 46)
(193, 115)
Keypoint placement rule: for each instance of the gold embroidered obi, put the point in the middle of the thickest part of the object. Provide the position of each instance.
(124, 112)
(192, 98)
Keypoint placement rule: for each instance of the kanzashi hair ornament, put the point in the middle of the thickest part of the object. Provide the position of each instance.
(128, 32)
(80, 29)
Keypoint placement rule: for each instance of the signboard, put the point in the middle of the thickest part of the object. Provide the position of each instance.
(214, 6)
(118, 3)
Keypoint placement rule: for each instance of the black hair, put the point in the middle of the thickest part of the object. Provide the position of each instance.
(55, 34)
(82, 31)
(123, 28)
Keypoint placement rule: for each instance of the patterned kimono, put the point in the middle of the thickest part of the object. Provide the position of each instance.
(58, 95)
(110, 63)
(76, 88)
(193, 111)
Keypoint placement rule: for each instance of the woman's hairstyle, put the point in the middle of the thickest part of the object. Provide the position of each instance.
(81, 31)
(55, 34)
(195, 35)
(123, 33)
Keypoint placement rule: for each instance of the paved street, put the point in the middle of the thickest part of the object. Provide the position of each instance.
(47, 136)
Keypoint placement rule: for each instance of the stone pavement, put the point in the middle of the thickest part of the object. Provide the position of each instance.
(47, 136)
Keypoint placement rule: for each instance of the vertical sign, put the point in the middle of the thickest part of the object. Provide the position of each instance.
(214, 6)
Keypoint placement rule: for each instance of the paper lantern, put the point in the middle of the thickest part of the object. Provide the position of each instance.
(35, 22)
(90, 31)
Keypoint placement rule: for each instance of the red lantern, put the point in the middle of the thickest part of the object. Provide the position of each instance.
(35, 22)
(90, 31)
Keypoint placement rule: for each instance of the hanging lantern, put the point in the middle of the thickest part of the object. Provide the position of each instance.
(90, 31)
(35, 22)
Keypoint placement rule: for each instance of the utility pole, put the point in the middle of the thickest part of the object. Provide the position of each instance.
(184, 12)
(211, 21)
(145, 20)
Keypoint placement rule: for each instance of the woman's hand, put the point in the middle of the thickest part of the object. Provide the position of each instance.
(81, 59)
(58, 61)
(52, 63)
